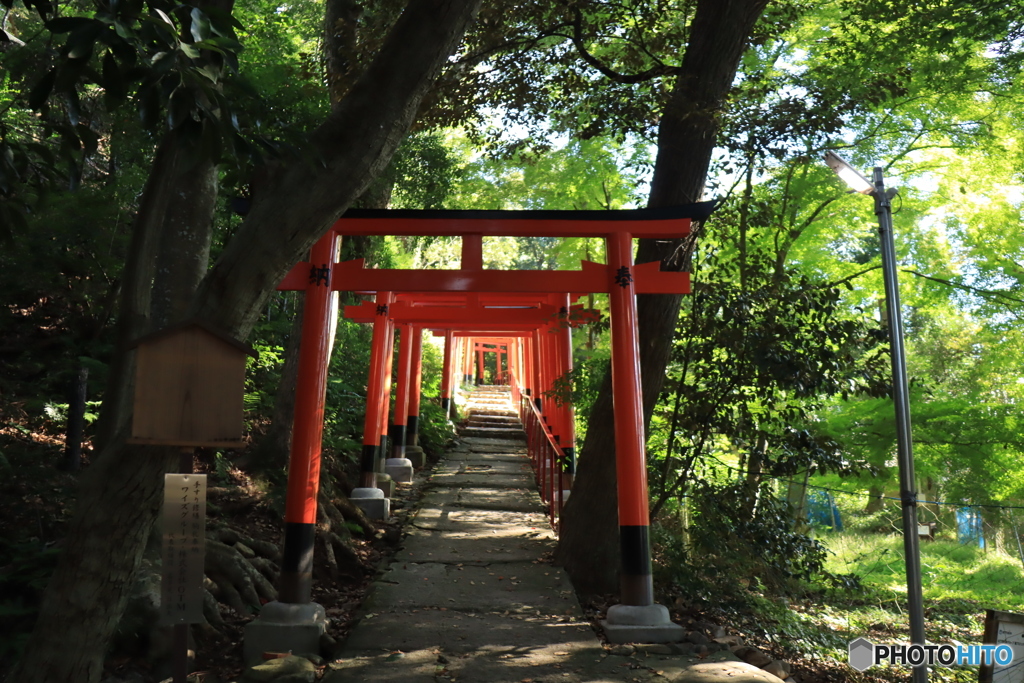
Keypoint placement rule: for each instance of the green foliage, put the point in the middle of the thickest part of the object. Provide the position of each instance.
(346, 389)
(764, 549)
(26, 568)
(950, 570)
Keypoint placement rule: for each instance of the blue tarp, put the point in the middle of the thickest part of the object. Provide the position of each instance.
(822, 510)
(968, 527)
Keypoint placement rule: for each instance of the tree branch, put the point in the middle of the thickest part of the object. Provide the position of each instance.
(650, 74)
(975, 290)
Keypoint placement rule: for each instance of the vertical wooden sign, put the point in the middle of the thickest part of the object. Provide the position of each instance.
(184, 548)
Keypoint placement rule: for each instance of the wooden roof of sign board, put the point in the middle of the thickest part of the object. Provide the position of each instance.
(210, 329)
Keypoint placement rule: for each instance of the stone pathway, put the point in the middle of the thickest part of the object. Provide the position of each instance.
(469, 597)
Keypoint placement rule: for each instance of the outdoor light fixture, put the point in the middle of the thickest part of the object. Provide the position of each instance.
(851, 176)
(900, 389)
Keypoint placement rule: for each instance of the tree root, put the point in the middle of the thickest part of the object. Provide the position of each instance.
(333, 537)
(240, 571)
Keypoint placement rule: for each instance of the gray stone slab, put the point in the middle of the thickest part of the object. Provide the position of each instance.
(716, 672)
(500, 412)
(501, 499)
(474, 442)
(494, 522)
(505, 481)
(495, 419)
(516, 500)
(480, 548)
(489, 665)
(419, 666)
(516, 587)
(465, 631)
(519, 466)
(485, 454)
(503, 433)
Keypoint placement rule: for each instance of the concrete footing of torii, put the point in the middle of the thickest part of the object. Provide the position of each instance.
(470, 595)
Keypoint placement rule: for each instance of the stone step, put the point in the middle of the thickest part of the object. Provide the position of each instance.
(506, 409)
(495, 433)
(494, 420)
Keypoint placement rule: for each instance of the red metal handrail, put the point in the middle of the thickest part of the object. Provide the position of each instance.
(545, 453)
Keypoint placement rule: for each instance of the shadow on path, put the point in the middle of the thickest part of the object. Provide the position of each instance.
(470, 595)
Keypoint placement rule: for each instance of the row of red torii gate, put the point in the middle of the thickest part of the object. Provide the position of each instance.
(523, 317)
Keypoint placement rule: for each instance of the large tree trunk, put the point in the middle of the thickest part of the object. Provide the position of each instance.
(121, 494)
(136, 291)
(589, 544)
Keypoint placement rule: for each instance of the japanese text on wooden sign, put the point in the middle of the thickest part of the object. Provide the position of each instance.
(184, 548)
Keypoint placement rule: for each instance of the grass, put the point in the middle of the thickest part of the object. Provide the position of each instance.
(949, 571)
(813, 629)
(959, 583)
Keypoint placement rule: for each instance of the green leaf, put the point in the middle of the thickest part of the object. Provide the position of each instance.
(200, 28)
(167, 20)
(82, 41)
(41, 91)
(67, 24)
(189, 51)
(114, 85)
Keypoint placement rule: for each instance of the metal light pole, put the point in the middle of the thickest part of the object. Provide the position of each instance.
(900, 391)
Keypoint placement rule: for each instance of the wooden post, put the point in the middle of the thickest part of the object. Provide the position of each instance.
(179, 638)
(466, 348)
(636, 584)
(76, 420)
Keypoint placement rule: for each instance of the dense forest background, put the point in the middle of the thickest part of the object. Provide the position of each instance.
(149, 151)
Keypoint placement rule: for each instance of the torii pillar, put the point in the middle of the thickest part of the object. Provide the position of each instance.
(447, 373)
(413, 451)
(638, 618)
(367, 496)
(397, 465)
(293, 622)
(568, 441)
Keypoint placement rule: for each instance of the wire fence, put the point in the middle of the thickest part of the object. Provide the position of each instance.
(970, 552)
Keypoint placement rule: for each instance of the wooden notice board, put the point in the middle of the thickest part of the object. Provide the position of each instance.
(189, 388)
(1004, 628)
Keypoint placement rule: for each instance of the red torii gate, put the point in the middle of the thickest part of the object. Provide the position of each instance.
(619, 278)
(410, 318)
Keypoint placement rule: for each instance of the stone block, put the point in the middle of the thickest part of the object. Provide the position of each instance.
(399, 469)
(641, 624)
(372, 502)
(416, 455)
(284, 627)
(386, 484)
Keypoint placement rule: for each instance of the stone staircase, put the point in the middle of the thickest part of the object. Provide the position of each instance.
(491, 415)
